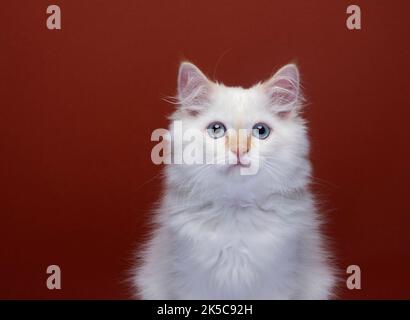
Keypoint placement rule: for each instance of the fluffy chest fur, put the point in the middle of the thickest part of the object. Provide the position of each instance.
(235, 251)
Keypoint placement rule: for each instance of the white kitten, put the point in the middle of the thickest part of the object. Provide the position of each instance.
(222, 234)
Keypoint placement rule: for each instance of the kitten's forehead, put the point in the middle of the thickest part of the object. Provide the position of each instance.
(236, 94)
(238, 105)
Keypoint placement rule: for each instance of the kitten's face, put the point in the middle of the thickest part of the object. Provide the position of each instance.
(249, 137)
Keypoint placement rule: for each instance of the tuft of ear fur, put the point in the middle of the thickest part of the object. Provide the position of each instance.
(284, 90)
(193, 88)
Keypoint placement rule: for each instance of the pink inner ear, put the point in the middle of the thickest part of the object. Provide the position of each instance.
(192, 84)
(184, 80)
(285, 83)
(284, 86)
(284, 92)
(281, 96)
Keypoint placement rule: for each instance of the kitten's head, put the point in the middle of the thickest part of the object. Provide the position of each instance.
(239, 139)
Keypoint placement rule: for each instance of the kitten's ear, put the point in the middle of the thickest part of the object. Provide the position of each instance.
(193, 88)
(284, 90)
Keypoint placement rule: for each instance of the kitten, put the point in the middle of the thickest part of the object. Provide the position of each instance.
(221, 233)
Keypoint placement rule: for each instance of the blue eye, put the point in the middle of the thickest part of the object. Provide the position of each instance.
(216, 130)
(260, 130)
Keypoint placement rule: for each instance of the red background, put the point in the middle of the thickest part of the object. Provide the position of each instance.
(78, 107)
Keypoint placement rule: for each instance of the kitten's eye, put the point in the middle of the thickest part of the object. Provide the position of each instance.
(216, 130)
(260, 131)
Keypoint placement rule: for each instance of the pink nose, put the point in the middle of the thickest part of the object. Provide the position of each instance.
(239, 146)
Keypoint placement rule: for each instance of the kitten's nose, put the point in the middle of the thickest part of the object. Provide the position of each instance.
(240, 144)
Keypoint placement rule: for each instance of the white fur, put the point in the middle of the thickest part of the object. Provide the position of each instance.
(222, 235)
